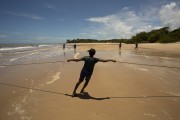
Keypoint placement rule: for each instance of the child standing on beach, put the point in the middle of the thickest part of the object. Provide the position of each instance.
(87, 69)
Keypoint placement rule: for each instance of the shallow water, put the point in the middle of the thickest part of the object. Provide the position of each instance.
(35, 54)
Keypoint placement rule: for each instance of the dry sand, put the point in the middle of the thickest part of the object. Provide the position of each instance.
(174, 47)
(115, 92)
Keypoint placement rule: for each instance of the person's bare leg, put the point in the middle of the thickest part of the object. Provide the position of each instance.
(85, 84)
(77, 85)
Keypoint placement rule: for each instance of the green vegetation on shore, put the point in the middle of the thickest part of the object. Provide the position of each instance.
(162, 35)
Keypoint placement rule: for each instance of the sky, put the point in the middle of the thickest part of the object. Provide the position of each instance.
(55, 21)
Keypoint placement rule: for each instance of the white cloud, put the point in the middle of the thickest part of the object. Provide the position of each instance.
(60, 19)
(128, 22)
(3, 36)
(170, 15)
(111, 27)
(27, 15)
(50, 6)
(122, 25)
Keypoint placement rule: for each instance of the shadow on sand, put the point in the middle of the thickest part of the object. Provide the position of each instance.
(87, 96)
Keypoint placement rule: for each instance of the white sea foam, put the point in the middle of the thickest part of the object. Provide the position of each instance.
(22, 56)
(24, 99)
(142, 102)
(142, 69)
(75, 56)
(19, 112)
(137, 68)
(167, 58)
(44, 45)
(26, 118)
(55, 77)
(30, 90)
(160, 78)
(33, 53)
(148, 56)
(13, 91)
(171, 93)
(13, 59)
(18, 109)
(15, 48)
(148, 114)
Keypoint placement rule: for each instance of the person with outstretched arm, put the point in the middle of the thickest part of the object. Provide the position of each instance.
(87, 70)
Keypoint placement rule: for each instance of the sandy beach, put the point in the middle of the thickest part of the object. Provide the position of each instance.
(117, 91)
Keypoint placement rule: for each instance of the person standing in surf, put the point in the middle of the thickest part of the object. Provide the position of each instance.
(87, 69)
(74, 46)
(64, 45)
(120, 45)
(136, 45)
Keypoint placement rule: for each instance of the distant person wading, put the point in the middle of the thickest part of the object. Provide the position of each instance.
(64, 46)
(74, 46)
(120, 45)
(136, 45)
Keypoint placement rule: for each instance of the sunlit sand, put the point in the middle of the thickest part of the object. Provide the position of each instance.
(117, 91)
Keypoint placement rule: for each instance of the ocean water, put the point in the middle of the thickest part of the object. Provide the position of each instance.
(16, 54)
(27, 53)
(5, 48)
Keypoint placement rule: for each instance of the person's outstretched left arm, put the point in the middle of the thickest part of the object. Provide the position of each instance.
(107, 60)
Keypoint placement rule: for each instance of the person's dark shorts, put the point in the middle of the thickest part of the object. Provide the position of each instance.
(84, 75)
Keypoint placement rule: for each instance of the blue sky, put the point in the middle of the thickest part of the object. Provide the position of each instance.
(55, 21)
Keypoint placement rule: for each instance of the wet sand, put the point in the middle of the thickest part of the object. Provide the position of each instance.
(116, 90)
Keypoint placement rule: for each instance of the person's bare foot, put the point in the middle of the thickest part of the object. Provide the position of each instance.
(74, 94)
(82, 91)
